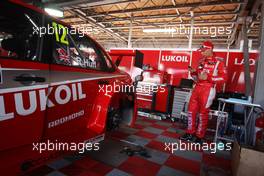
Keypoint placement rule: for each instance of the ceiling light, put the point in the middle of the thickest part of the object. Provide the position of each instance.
(54, 12)
(159, 30)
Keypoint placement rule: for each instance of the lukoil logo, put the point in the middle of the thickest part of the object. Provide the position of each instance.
(174, 58)
(72, 92)
(242, 61)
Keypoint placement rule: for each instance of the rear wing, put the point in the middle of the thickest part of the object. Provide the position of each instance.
(138, 57)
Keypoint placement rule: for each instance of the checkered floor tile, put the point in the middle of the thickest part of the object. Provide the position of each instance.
(152, 135)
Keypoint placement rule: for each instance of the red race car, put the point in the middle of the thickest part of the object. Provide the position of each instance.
(57, 89)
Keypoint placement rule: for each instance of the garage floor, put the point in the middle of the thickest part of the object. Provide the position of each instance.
(152, 134)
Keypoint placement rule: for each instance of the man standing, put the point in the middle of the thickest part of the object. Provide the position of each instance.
(210, 71)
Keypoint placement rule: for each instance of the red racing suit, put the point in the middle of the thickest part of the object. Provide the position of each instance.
(204, 93)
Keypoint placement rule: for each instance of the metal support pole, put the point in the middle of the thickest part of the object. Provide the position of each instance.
(190, 42)
(129, 43)
(191, 31)
(246, 58)
(226, 64)
(259, 73)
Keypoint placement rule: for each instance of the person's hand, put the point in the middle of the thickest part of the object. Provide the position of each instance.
(203, 76)
(192, 70)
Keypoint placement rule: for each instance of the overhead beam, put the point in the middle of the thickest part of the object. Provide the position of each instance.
(163, 42)
(238, 22)
(90, 3)
(171, 38)
(168, 39)
(203, 14)
(119, 27)
(98, 25)
(187, 23)
(168, 7)
(255, 8)
(199, 14)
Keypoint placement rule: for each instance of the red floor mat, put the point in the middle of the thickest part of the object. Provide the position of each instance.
(183, 164)
(140, 167)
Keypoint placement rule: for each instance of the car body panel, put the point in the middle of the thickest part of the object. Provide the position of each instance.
(43, 101)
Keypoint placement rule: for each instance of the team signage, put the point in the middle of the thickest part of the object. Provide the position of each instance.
(174, 58)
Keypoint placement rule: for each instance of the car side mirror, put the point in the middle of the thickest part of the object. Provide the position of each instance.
(138, 78)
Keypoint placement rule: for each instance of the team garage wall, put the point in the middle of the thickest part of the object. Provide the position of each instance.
(176, 63)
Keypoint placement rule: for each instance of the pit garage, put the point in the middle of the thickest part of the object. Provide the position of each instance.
(132, 87)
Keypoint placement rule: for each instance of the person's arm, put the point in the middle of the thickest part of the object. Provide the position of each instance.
(192, 71)
(221, 76)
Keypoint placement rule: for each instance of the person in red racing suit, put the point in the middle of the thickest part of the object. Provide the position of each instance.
(211, 71)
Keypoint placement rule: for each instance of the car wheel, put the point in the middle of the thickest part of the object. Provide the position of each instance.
(113, 118)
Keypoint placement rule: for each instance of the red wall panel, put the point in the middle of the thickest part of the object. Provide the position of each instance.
(176, 63)
(235, 67)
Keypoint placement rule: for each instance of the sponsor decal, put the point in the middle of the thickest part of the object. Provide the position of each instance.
(65, 119)
(63, 56)
(74, 59)
(58, 28)
(71, 92)
(85, 63)
(209, 66)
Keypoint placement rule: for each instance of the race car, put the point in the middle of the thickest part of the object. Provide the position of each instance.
(56, 86)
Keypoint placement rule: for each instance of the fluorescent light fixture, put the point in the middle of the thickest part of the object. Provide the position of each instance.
(169, 30)
(54, 12)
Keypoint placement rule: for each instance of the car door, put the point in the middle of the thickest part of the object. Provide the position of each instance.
(24, 78)
(74, 82)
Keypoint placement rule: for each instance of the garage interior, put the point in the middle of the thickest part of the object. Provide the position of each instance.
(147, 34)
(121, 24)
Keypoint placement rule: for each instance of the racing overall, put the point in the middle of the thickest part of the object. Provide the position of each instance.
(204, 93)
